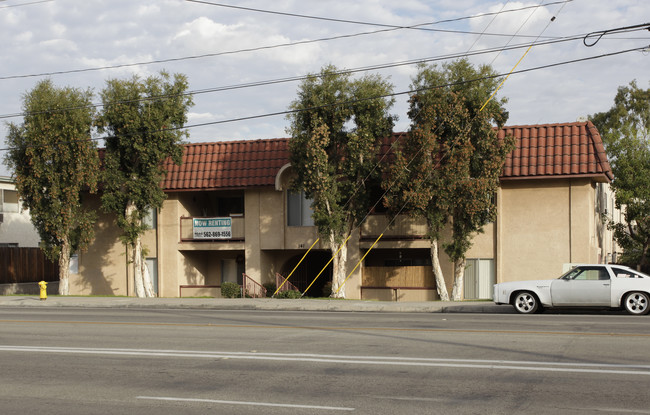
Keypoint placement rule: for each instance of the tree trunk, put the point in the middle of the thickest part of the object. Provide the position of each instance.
(441, 285)
(64, 268)
(136, 260)
(143, 283)
(338, 267)
(141, 278)
(459, 273)
(148, 281)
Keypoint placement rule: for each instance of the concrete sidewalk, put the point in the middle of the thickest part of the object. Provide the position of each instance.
(257, 304)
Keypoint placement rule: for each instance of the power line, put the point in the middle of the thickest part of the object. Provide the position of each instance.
(286, 112)
(351, 70)
(357, 22)
(237, 51)
(414, 91)
(599, 34)
(25, 4)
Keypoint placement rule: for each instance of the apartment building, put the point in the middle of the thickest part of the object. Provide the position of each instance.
(230, 212)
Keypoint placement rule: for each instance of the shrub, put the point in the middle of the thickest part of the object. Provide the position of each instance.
(230, 290)
(289, 294)
(327, 289)
(270, 288)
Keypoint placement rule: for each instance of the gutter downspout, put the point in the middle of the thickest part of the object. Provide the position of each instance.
(570, 221)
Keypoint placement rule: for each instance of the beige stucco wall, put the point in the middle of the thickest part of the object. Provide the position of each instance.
(169, 267)
(542, 226)
(102, 268)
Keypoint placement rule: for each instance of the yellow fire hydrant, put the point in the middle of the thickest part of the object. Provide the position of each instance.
(43, 286)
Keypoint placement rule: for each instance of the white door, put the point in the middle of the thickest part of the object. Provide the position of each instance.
(479, 279)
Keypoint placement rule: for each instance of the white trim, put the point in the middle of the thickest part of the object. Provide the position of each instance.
(278, 177)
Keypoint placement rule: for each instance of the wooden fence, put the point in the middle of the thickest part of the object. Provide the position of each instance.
(412, 277)
(21, 265)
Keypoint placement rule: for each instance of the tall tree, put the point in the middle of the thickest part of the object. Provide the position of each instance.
(447, 168)
(336, 128)
(144, 121)
(54, 160)
(625, 129)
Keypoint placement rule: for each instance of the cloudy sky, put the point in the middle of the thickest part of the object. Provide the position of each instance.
(82, 43)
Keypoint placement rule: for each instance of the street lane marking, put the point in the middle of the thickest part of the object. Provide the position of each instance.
(277, 405)
(573, 367)
(331, 328)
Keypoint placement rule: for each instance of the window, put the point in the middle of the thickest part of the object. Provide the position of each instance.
(587, 274)
(9, 201)
(151, 219)
(299, 211)
(625, 273)
(74, 264)
(230, 205)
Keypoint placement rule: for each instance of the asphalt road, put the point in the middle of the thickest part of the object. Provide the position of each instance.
(100, 361)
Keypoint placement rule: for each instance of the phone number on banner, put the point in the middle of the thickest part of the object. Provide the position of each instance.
(213, 235)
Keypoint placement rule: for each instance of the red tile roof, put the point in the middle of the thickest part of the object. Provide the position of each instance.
(542, 151)
(227, 165)
(556, 150)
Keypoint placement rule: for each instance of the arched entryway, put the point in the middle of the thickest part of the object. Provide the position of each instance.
(303, 276)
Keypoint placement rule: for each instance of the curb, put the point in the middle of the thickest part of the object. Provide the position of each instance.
(255, 304)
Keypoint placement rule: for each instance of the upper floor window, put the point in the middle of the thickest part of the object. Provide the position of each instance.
(230, 205)
(299, 212)
(9, 200)
(151, 218)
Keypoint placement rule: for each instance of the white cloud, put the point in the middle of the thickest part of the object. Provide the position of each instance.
(196, 117)
(58, 46)
(24, 37)
(70, 34)
(148, 9)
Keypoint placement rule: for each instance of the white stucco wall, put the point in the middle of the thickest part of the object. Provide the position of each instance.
(16, 226)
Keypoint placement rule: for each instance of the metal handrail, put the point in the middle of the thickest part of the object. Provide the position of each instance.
(252, 288)
(280, 280)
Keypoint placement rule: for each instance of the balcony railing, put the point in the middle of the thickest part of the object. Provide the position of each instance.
(187, 230)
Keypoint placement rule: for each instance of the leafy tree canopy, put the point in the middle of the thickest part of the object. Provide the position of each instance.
(143, 120)
(54, 160)
(336, 128)
(625, 129)
(447, 168)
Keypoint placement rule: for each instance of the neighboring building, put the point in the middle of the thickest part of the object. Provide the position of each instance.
(554, 188)
(16, 229)
(22, 263)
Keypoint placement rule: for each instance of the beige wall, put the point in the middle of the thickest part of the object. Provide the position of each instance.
(543, 227)
(102, 268)
(169, 258)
